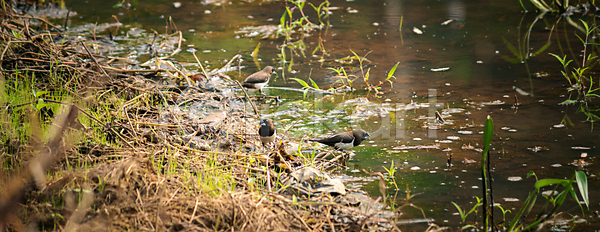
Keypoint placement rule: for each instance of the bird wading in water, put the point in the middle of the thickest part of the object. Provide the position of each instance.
(345, 140)
(259, 79)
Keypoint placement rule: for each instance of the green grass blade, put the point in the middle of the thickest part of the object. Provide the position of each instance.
(583, 186)
(301, 82)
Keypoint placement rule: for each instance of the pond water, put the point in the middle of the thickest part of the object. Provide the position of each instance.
(480, 81)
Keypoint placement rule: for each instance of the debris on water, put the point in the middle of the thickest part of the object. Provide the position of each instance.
(512, 130)
(453, 137)
(415, 168)
(580, 163)
(445, 141)
(177, 4)
(515, 178)
(505, 128)
(417, 147)
(263, 31)
(580, 148)
(556, 165)
(583, 155)
(493, 103)
(559, 125)
(549, 192)
(447, 22)
(475, 187)
(207, 12)
(465, 132)
(467, 147)
(479, 62)
(522, 92)
(509, 199)
(417, 139)
(447, 149)
(469, 161)
(540, 74)
(417, 31)
(352, 11)
(375, 24)
(440, 69)
(537, 149)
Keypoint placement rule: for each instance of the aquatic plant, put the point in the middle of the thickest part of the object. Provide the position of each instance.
(295, 30)
(579, 81)
(518, 221)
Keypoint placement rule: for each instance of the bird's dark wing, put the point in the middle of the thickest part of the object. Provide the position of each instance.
(345, 137)
(248, 85)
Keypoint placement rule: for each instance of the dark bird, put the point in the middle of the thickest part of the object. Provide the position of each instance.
(267, 131)
(345, 140)
(259, 79)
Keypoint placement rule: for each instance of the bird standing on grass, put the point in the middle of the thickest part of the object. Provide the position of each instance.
(259, 79)
(345, 140)
(267, 131)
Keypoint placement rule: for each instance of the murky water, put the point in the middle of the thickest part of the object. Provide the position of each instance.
(479, 82)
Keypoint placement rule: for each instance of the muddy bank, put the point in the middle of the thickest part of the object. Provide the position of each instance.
(93, 141)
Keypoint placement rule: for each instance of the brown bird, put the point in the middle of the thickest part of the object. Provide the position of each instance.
(259, 79)
(345, 140)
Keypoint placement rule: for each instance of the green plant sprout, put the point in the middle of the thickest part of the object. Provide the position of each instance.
(579, 83)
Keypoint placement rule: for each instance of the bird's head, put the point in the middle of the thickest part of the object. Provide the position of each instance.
(268, 70)
(266, 122)
(360, 133)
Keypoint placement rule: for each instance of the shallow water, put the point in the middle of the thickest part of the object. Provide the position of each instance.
(473, 49)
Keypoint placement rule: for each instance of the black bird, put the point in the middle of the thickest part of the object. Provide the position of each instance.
(267, 131)
(345, 140)
(259, 79)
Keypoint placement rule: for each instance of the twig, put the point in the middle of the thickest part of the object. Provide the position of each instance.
(201, 66)
(93, 58)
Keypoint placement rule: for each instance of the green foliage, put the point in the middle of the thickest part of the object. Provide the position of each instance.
(517, 223)
(464, 214)
(294, 30)
(581, 83)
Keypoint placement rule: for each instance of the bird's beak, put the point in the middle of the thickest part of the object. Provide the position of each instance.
(262, 123)
(368, 136)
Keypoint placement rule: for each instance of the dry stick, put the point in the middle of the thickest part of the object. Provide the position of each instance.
(245, 93)
(293, 124)
(194, 213)
(93, 58)
(268, 177)
(36, 168)
(93, 118)
(133, 70)
(201, 66)
(7, 45)
(332, 160)
(38, 18)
